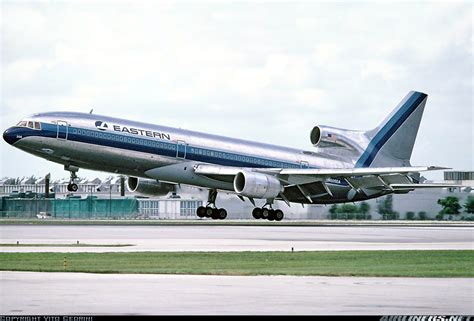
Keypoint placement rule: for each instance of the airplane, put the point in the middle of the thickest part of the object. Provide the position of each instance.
(346, 165)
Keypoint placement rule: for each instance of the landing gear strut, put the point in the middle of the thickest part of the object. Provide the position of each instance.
(211, 210)
(267, 212)
(72, 187)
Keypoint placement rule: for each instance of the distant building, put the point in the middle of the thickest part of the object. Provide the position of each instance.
(464, 178)
(169, 208)
(188, 199)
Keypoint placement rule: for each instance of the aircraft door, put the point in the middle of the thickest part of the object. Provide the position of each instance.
(181, 149)
(304, 164)
(63, 128)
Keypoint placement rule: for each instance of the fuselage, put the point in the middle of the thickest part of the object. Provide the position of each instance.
(138, 149)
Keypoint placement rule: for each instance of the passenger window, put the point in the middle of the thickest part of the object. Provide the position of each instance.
(30, 124)
(37, 125)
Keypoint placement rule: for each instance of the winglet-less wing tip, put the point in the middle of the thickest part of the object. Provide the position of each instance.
(437, 168)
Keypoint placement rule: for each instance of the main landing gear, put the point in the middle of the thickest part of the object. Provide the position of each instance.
(72, 187)
(211, 210)
(267, 212)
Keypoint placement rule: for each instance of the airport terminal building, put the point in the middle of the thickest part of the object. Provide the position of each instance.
(108, 199)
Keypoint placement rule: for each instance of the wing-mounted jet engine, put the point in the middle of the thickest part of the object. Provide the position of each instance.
(257, 185)
(149, 187)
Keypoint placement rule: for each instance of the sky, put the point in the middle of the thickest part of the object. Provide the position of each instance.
(264, 71)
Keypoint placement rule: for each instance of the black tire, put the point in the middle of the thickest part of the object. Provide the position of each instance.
(215, 214)
(201, 211)
(209, 211)
(72, 187)
(257, 213)
(265, 213)
(271, 215)
(222, 213)
(279, 215)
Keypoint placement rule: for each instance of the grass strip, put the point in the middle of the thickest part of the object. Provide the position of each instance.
(432, 263)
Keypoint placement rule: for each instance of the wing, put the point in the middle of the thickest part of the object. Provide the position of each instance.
(312, 184)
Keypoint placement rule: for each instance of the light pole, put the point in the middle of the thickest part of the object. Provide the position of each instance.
(110, 199)
(90, 201)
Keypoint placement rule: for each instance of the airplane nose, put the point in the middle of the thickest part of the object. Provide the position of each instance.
(9, 137)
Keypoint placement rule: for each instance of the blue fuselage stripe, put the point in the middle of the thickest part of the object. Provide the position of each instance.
(389, 129)
(157, 147)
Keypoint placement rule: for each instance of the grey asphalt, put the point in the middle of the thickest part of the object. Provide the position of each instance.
(79, 293)
(236, 238)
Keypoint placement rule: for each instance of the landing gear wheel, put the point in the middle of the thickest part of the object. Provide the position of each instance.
(215, 214)
(209, 211)
(257, 213)
(279, 215)
(265, 213)
(222, 214)
(271, 215)
(201, 211)
(72, 187)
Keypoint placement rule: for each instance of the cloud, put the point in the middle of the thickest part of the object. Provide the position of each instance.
(385, 70)
(309, 97)
(266, 71)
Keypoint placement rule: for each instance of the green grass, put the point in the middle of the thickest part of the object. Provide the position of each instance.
(459, 263)
(62, 245)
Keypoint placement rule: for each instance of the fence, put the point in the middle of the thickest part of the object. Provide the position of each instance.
(71, 208)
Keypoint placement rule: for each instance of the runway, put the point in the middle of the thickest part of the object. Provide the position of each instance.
(80, 293)
(77, 293)
(235, 238)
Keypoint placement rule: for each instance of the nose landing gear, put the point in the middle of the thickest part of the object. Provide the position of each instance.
(72, 187)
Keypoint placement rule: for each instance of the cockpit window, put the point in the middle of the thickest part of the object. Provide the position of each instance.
(30, 124)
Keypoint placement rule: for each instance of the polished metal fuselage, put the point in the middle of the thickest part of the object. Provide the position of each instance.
(143, 150)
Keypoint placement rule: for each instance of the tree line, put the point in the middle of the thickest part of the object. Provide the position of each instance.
(450, 206)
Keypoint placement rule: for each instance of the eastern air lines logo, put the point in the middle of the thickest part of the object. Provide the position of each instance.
(101, 125)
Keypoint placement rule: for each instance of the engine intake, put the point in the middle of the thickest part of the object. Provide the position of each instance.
(324, 136)
(257, 185)
(149, 187)
(343, 140)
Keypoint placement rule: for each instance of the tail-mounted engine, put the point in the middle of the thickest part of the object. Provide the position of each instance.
(338, 141)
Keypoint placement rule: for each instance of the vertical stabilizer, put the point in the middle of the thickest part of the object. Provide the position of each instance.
(391, 143)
